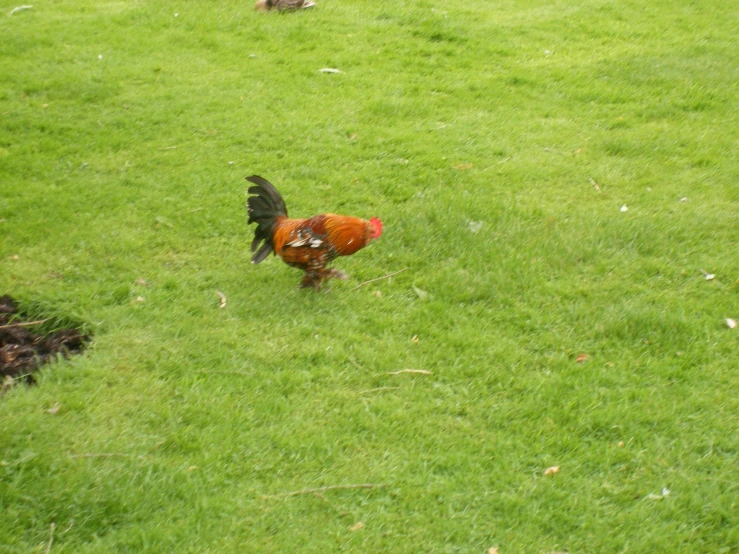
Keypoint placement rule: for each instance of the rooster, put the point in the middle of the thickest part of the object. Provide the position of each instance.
(308, 244)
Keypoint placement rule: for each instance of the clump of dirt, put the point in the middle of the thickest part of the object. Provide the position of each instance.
(22, 351)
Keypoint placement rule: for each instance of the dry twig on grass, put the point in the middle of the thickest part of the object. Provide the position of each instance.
(232, 372)
(51, 537)
(25, 323)
(556, 151)
(101, 455)
(20, 9)
(378, 389)
(421, 371)
(360, 285)
(319, 490)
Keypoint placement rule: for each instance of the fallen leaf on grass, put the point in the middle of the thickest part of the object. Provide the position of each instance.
(162, 221)
(141, 282)
(493, 550)
(551, 470)
(730, 323)
(222, 298)
(414, 339)
(7, 384)
(329, 70)
(357, 526)
(422, 294)
(378, 294)
(462, 167)
(582, 358)
(624, 208)
(140, 299)
(54, 409)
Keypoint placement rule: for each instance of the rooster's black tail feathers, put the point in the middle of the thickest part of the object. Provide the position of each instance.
(264, 207)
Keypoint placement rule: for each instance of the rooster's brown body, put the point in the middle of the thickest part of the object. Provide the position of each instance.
(307, 244)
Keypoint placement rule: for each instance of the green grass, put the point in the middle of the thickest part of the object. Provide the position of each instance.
(118, 168)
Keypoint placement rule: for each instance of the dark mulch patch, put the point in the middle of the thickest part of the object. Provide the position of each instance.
(22, 351)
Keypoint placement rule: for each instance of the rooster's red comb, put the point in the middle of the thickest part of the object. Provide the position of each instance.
(376, 227)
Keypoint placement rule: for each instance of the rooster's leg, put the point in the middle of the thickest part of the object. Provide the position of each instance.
(311, 280)
(335, 274)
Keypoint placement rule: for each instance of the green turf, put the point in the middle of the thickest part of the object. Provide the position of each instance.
(473, 129)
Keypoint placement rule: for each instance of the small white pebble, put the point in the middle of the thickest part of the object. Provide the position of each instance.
(177, 15)
(475, 226)
(710, 276)
(730, 323)
(100, 56)
(624, 208)
(230, 163)
(665, 494)
(684, 199)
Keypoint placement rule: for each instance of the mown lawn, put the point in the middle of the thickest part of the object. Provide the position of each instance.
(556, 177)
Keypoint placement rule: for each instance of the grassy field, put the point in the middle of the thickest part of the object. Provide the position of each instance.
(499, 142)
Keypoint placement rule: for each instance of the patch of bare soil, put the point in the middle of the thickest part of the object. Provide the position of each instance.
(23, 351)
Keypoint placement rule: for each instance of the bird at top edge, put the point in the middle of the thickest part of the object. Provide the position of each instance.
(282, 5)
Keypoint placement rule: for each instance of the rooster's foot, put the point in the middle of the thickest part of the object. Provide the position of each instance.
(336, 274)
(310, 282)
